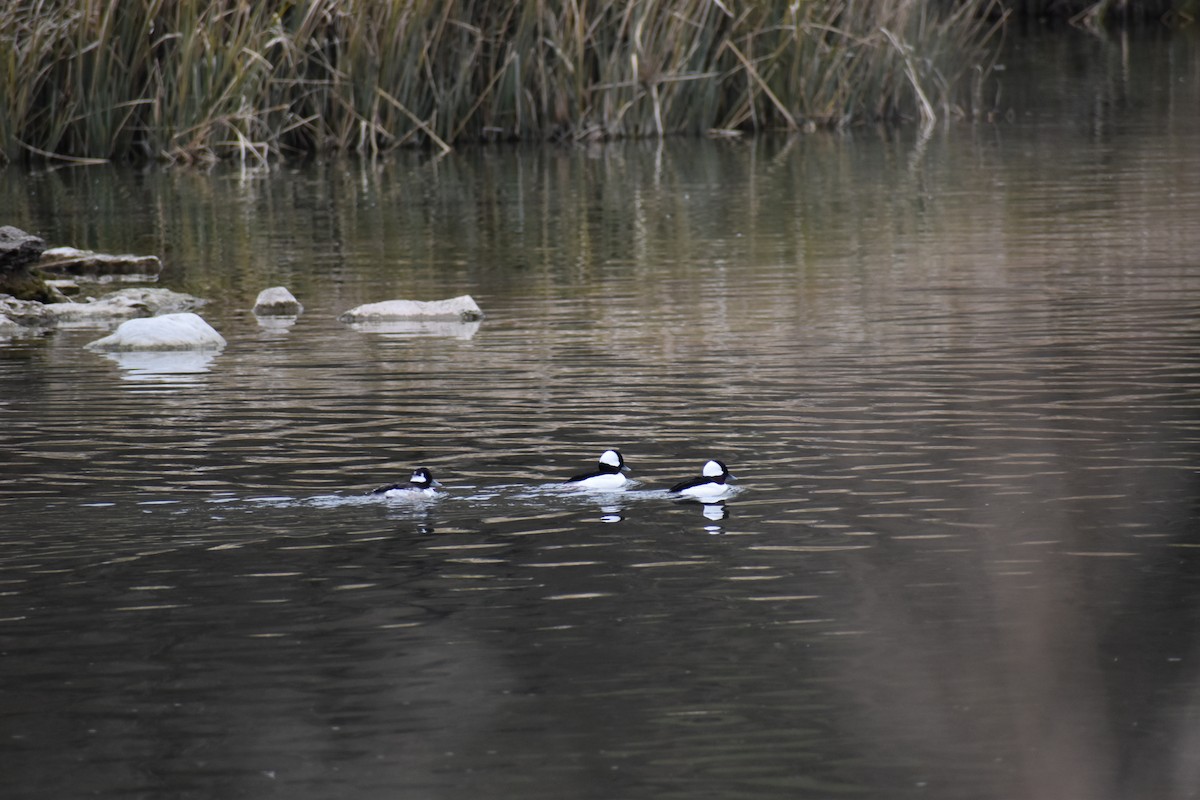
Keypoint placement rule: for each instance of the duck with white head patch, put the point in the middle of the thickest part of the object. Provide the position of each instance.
(711, 485)
(421, 484)
(609, 474)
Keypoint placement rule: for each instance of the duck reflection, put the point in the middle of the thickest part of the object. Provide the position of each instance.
(612, 512)
(419, 516)
(715, 512)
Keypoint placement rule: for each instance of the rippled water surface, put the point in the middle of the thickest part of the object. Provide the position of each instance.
(956, 375)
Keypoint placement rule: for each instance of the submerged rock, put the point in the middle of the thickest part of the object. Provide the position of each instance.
(123, 304)
(184, 331)
(277, 301)
(463, 308)
(69, 262)
(24, 313)
(32, 316)
(9, 329)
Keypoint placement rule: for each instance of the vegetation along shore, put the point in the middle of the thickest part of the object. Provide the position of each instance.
(200, 80)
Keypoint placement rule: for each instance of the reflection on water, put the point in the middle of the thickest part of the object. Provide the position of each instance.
(165, 366)
(402, 329)
(275, 324)
(715, 511)
(612, 512)
(957, 379)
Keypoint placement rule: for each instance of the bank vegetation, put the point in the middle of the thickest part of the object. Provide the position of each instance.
(197, 80)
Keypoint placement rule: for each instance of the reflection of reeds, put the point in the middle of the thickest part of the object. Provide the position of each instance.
(200, 79)
(1097, 13)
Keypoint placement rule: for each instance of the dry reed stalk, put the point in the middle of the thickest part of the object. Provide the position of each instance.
(198, 80)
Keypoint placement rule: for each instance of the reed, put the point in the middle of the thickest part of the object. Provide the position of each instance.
(198, 80)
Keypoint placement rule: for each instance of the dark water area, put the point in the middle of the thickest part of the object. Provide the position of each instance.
(956, 374)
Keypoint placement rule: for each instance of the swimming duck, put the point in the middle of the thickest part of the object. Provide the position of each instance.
(421, 484)
(609, 474)
(712, 483)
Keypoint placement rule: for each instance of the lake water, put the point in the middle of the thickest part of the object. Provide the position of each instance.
(957, 376)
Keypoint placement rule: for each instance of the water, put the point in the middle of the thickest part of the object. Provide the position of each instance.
(956, 376)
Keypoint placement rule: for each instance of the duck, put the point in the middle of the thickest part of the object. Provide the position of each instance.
(712, 483)
(609, 474)
(421, 484)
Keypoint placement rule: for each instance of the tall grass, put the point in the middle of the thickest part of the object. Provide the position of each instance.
(189, 80)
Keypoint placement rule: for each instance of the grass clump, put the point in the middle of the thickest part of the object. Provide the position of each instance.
(197, 80)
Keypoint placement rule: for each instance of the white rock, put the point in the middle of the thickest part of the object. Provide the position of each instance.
(277, 301)
(184, 331)
(461, 308)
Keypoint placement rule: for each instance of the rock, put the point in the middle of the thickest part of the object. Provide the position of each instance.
(184, 331)
(123, 304)
(18, 248)
(277, 301)
(69, 262)
(18, 252)
(461, 308)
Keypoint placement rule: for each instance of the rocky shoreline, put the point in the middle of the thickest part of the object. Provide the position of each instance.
(38, 289)
(38, 293)
(30, 271)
